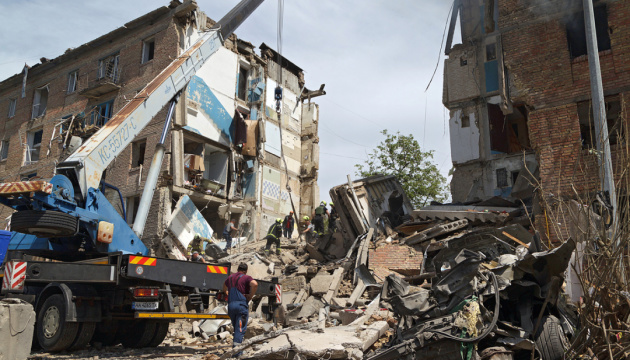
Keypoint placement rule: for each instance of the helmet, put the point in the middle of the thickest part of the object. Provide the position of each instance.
(278, 220)
(306, 218)
(291, 212)
(323, 203)
(331, 204)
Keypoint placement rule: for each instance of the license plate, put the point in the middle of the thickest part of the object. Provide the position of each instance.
(146, 305)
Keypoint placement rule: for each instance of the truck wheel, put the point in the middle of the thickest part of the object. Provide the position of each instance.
(46, 223)
(161, 329)
(53, 332)
(138, 334)
(106, 333)
(551, 340)
(86, 331)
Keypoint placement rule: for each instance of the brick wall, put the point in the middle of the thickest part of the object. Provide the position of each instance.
(395, 257)
(545, 78)
(133, 77)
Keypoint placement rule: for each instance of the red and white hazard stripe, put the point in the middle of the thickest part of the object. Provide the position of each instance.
(14, 275)
(278, 294)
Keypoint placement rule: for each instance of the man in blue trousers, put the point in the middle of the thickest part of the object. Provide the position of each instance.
(240, 288)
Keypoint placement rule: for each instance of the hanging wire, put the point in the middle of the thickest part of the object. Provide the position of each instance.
(278, 97)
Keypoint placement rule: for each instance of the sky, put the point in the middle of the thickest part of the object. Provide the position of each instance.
(376, 58)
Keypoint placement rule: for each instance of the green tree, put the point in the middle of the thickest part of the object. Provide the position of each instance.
(401, 156)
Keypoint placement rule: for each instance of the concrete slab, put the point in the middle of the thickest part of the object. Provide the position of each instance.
(287, 258)
(310, 307)
(276, 348)
(372, 333)
(320, 284)
(333, 343)
(333, 288)
(295, 283)
(314, 253)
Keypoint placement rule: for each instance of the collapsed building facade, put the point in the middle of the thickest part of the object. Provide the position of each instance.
(224, 146)
(518, 92)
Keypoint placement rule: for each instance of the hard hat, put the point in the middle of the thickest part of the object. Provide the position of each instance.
(291, 212)
(331, 204)
(195, 252)
(306, 218)
(278, 220)
(323, 202)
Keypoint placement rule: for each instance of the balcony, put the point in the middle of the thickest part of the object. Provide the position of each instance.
(105, 79)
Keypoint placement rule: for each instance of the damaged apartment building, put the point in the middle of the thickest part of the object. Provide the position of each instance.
(223, 149)
(518, 92)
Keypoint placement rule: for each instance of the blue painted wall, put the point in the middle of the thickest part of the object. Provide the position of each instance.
(200, 92)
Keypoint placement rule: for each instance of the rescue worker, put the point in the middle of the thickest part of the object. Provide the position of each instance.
(195, 257)
(287, 225)
(309, 229)
(227, 234)
(273, 236)
(240, 289)
(318, 218)
(332, 221)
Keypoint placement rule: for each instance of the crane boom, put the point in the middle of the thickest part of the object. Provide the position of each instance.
(86, 165)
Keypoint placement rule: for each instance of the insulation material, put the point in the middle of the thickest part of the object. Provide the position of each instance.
(210, 109)
(251, 143)
(272, 138)
(186, 221)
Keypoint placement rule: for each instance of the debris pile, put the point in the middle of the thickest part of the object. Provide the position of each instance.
(447, 281)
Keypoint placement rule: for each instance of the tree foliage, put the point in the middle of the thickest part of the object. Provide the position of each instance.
(401, 156)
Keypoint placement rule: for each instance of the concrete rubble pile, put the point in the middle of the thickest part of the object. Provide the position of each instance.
(444, 281)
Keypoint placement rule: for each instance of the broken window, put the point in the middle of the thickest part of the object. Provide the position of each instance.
(491, 52)
(4, 150)
(40, 100)
(12, 106)
(108, 68)
(502, 178)
(34, 142)
(133, 202)
(491, 68)
(508, 133)
(102, 113)
(148, 49)
(576, 32)
(137, 153)
(613, 121)
(72, 81)
(243, 73)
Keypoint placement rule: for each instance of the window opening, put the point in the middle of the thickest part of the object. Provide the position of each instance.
(502, 178)
(108, 68)
(137, 153)
(34, 142)
(102, 113)
(4, 150)
(576, 32)
(12, 106)
(148, 50)
(242, 82)
(40, 101)
(508, 133)
(465, 121)
(72, 81)
(613, 121)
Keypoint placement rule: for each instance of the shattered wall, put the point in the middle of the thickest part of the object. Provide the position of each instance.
(541, 77)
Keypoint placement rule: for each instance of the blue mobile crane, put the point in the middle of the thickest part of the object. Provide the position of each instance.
(73, 256)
